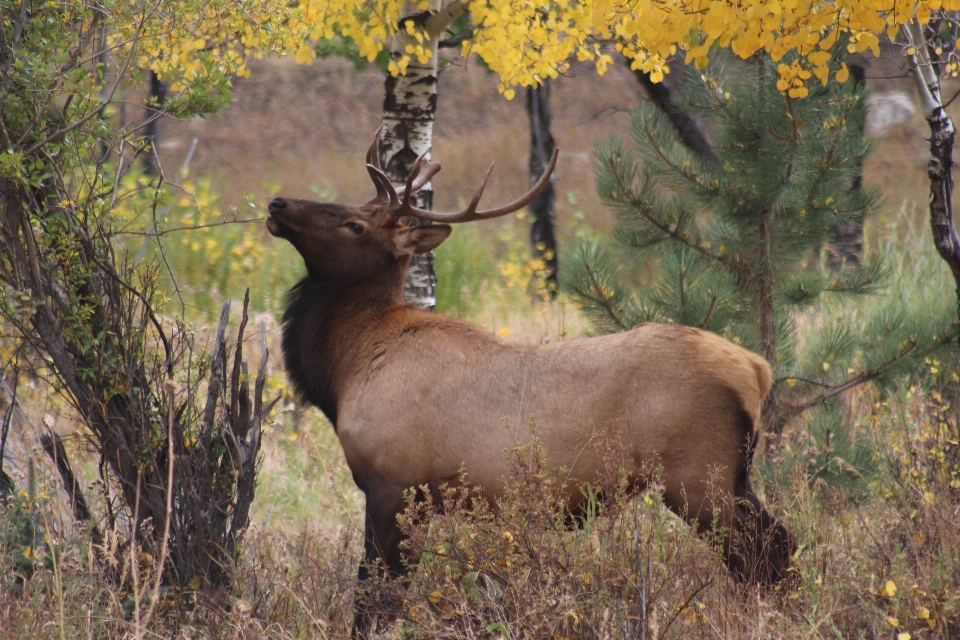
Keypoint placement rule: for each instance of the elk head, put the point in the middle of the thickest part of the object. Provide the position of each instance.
(349, 243)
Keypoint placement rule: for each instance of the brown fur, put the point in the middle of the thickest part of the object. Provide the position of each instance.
(415, 396)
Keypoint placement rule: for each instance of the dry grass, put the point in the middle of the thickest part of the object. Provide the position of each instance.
(883, 566)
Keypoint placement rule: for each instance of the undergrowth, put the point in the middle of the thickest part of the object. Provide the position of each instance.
(880, 566)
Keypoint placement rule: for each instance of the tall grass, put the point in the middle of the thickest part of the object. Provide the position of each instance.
(878, 568)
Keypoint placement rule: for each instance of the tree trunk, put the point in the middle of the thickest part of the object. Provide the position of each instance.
(847, 245)
(409, 109)
(768, 325)
(942, 133)
(688, 132)
(151, 130)
(543, 235)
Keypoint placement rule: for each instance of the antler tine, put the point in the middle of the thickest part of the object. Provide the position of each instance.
(373, 153)
(419, 175)
(470, 213)
(408, 189)
(385, 190)
(429, 170)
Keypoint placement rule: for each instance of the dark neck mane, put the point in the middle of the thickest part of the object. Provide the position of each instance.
(322, 333)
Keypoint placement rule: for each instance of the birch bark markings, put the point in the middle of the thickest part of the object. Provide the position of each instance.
(939, 168)
(409, 110)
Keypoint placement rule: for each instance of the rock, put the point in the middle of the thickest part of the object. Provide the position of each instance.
(887, 110)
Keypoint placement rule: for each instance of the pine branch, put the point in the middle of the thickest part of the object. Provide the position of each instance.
(706, 319)
(683, 170)
(594, 293)
(686, 127)
(644, 209)
(866, 376)
(604, 305)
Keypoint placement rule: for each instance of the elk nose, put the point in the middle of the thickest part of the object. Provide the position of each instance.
(277, 204)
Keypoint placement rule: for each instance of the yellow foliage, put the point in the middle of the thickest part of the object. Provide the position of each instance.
(889, 590)
(524, 41)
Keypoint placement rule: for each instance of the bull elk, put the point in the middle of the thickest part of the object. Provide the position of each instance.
(415, 397)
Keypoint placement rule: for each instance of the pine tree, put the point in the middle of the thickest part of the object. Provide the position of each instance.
(734, 246)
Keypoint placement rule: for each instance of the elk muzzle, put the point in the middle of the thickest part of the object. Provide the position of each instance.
(276, 227)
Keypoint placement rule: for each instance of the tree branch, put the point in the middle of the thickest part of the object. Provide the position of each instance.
(103, 105)
(440, 21)
(687, 130)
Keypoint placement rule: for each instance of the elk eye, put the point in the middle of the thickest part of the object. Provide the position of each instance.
(353, 226)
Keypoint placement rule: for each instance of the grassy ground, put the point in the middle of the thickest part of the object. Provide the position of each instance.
(879, 557)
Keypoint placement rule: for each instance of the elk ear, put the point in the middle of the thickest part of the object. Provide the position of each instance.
(420, 239)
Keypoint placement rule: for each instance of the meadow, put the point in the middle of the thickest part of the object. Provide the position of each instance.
(875, 511)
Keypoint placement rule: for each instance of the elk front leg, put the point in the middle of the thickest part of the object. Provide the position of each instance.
(382, 561)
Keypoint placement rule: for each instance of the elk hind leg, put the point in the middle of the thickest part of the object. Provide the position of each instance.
(759, 548)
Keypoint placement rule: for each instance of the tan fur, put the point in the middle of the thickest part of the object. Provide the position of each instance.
(415, 397)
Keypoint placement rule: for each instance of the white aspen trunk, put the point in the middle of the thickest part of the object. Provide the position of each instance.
(409, 109)
(940, 166)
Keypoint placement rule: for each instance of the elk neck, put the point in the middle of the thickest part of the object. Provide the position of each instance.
(331, 328)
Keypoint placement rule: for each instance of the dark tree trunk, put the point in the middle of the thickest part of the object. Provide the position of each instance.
(543, 235)
(7, 486)
(768, 325)
(53, 447)
(939, 169)
(687, 130)
(847, 245)
(151, 130)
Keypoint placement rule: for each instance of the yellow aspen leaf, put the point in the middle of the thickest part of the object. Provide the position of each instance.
(889, 590)
(843, 74)
(304, 55)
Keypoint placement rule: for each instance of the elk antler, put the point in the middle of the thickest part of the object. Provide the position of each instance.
(385, 189)
(420, 176)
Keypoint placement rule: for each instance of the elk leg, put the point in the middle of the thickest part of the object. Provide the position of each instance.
(382, 559)
(757, 548)
(760, 548)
